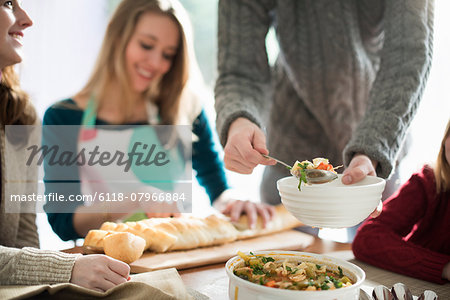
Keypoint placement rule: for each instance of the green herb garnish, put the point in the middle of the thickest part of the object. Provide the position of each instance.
(266, 259)
(302, 173)
(257, 270)
(324, 286)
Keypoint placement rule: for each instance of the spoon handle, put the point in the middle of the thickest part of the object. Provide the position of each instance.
(278, 161)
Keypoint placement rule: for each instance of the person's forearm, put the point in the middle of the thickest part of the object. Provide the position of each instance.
(30, 266)
(243, 84)
(374, 240)
(397, 90)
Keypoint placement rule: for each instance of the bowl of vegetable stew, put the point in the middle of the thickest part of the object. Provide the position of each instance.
(270, 275)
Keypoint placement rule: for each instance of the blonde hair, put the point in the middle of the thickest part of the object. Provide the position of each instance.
(110, 68)
(442, 168)
(15, 105)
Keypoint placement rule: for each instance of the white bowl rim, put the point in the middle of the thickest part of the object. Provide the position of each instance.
(317, 256)
(378, 181)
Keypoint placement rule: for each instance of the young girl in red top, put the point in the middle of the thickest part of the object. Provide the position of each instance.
(412, 235)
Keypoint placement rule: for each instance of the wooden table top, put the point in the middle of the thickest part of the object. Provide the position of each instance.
(212, 281)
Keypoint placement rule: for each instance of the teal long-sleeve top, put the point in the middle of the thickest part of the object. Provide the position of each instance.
(206, 162)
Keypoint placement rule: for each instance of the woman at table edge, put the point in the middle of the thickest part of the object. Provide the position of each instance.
(147, 79)
(29, 265)
(412, 234)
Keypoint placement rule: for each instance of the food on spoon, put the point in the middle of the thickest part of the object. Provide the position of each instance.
(290, 273)
(319, 163)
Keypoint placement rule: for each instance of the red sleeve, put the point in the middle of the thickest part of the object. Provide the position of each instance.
(381, 241)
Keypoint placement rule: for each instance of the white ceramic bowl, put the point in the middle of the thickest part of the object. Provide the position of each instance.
(240, 289)
(333, 204)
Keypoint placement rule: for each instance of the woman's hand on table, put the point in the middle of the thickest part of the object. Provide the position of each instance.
(238, 207)
(361, 166)
(99, 272)
(232, 203)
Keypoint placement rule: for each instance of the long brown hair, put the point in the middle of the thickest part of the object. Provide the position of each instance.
(442, 168)
(15, 105)
(111, 67)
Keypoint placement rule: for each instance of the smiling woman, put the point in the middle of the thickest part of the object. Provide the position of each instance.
(11, 50)
(20, 260)
(142, 80)
(14, 103)
(151, 49)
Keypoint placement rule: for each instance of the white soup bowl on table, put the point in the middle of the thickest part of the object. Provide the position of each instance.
(241, 289)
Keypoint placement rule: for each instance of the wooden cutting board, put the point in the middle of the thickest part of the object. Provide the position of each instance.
(285, 240)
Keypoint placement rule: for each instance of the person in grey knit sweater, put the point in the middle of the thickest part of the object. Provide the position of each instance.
(21, 262)
(346, 84)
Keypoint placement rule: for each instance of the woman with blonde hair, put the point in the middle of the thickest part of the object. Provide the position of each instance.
(144, 75)
(412, 236)
(21, 263)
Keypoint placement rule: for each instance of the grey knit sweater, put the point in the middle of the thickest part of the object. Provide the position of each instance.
(26, 266)
(348, 79)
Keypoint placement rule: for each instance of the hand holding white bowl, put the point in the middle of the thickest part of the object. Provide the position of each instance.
(333, 204)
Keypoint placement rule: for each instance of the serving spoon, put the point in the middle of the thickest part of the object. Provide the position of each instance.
(313, 176)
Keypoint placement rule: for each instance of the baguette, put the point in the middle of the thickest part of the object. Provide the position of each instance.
(123, 246)
(168, 234)
(165, 234)
(93, 242)
(136, 228)
(189, 232)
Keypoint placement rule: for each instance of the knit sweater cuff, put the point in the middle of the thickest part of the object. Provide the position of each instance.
(433, 265)
(223, 124)
(381, 141)
(37, 266)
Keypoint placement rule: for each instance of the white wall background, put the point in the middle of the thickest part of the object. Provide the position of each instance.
(434, 112)
(62, 46)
